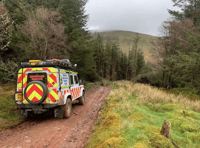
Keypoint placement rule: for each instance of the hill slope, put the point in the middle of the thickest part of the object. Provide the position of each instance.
(125, 40)
(132, 116)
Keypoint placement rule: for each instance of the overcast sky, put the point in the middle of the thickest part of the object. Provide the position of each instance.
(143, 16)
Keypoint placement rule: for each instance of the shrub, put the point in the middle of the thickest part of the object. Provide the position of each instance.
(8, 71)
(192, 94)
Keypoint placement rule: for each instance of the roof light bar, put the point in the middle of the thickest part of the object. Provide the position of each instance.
(54, 62)
(34, 62)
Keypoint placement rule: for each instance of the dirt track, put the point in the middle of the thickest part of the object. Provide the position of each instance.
(45, 131)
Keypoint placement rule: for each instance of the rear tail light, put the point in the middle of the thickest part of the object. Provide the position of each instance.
(19, 97)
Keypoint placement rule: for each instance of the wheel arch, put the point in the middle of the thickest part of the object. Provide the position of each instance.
(82, 91)
(68, 96)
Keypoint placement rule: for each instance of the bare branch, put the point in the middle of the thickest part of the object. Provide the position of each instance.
(47, 38)
(5, 26)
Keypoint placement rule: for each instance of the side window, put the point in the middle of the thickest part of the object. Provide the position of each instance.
(76, 79)
(71, 79)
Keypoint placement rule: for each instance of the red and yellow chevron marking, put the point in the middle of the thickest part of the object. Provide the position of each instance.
(34, 92)
(52, 96)
(52, 80)
(20, 78)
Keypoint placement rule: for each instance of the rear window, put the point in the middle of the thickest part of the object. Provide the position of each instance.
(37, 77)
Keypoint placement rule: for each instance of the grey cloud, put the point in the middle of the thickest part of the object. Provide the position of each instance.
(143, 16)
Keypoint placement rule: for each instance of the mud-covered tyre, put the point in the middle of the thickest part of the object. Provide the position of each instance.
(67, 109)
(82, 99)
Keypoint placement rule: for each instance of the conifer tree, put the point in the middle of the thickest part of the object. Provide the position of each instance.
(190, 9)
(114, 61)
(98, 48)
(133, 58)
(124, 66)
(108, 47)
(140, 61)
(82, 55)
(74, 18)
(19, 10)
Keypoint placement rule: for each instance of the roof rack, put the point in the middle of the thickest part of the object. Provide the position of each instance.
(64, 63)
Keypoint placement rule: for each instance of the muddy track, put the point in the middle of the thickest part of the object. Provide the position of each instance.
(45, 131)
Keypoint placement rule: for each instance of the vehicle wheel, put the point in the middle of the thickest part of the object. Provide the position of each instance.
(82, 99)
(67, 110)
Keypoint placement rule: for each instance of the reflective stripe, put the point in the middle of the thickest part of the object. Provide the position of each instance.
(51, 81)
(76, 92)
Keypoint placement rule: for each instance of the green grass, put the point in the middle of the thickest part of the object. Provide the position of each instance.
(125, 121)
(8, 113)
(125, 40)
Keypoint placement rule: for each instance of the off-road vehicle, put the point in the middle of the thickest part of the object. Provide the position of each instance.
(44, 85)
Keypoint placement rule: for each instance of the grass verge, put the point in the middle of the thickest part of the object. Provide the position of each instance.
(8, 113)
(132, 116)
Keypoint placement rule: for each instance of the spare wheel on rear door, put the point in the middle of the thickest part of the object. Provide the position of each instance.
(35, 92)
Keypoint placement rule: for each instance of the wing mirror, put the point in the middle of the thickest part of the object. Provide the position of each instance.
(75, 66)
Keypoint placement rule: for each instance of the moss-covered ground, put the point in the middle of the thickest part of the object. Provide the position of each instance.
(8, 113)
(132, 116)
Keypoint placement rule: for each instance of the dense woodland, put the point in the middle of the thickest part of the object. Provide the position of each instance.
(46, 29)
(178, 50)
(39, 29)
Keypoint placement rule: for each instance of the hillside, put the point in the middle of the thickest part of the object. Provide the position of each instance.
(125, 40)
(132, 117)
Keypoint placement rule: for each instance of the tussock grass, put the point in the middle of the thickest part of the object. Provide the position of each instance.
(147, 94)
(132, 116)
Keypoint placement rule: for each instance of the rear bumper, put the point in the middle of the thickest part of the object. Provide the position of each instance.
(37, 109)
